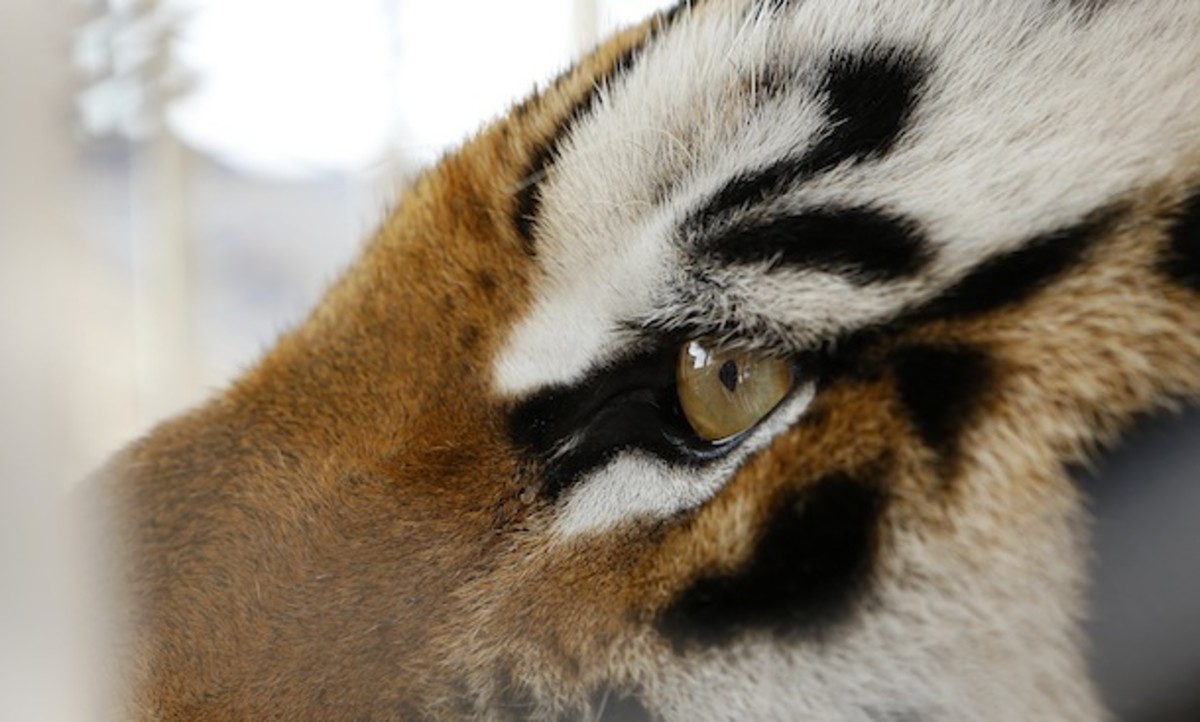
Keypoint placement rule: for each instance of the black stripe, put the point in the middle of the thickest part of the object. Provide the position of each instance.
(862, 243)
(808, 567)
(941, 387)
(529, 196)
(746, 189)
(1012, 277)
(543, 157)
(1182, 260)
(870, 100)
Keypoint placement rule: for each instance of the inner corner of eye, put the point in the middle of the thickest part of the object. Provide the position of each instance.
(725, 391)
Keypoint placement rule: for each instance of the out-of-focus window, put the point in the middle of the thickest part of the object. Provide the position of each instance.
(286, 89)
(232, 154)
(179, 181)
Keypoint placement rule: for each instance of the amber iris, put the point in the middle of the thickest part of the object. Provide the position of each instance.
(724, 392)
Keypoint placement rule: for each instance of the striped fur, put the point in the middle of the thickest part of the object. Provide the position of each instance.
(455, 491)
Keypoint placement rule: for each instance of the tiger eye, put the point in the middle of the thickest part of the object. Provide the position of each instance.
(724, 392)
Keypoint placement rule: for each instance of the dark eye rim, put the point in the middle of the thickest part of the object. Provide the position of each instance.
(630, 405)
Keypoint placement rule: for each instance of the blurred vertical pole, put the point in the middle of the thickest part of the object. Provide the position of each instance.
(127, 79)
(586, 21)
(398, 168)
(164, 301)
(43, 659)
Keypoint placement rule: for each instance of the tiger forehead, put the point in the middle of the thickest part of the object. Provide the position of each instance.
(793, 171)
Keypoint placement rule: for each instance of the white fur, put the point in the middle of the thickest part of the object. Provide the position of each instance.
(961, 624)
(1030, 118)
(944, 656)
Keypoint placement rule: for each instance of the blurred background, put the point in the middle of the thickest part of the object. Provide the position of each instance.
(180, 179)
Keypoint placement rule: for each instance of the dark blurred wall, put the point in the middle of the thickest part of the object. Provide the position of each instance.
(1145, 619)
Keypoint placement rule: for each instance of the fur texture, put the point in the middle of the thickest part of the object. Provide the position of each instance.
(447, 494)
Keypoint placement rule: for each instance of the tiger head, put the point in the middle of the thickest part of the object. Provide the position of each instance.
(731, 376)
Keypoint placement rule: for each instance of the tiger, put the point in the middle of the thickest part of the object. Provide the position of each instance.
(736, 373)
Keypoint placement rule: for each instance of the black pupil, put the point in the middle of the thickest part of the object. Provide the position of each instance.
(728, 375)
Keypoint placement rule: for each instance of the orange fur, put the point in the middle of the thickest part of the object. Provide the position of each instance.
(348, 533)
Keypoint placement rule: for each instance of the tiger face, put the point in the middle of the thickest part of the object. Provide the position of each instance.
(732, 376)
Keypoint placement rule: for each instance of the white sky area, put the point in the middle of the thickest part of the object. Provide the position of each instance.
(298, 87)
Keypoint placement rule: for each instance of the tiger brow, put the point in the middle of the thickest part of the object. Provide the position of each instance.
(870, 99)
